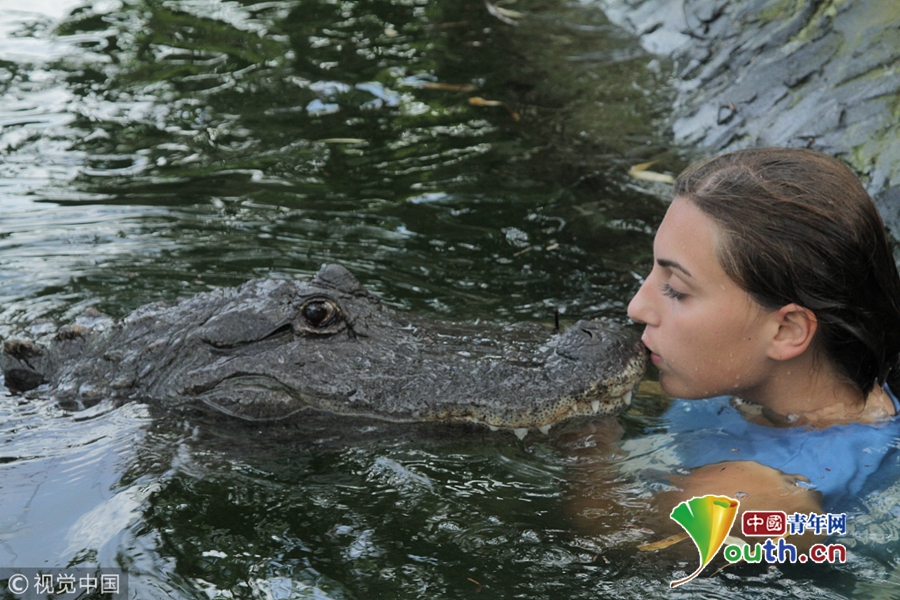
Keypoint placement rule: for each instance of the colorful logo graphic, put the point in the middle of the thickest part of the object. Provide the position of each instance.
(708, 520)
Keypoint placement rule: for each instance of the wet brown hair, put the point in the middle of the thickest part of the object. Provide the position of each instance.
(800, 228)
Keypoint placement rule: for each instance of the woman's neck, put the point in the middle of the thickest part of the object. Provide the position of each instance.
(811, 393)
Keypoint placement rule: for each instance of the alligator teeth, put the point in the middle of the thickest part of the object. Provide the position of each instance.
(595, 406)
(545, 429)
(493, 428)
(627, 398)
(520, 432)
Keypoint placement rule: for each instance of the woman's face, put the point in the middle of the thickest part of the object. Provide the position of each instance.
(706, 335)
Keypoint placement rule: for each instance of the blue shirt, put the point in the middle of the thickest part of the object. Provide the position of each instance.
(840, 461)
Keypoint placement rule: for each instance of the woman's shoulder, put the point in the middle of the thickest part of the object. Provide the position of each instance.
(837, 460)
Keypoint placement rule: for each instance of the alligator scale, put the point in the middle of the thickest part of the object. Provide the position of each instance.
(274, 348)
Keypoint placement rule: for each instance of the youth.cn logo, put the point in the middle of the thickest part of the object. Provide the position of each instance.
(708, 521)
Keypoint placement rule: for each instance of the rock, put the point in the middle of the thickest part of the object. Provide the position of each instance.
(823, 75)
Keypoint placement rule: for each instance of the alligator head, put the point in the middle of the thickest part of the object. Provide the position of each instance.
(273, 348)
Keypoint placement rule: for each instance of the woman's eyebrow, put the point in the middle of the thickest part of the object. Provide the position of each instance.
(671, 264)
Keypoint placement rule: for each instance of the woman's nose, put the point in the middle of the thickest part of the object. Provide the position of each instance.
(640, 309)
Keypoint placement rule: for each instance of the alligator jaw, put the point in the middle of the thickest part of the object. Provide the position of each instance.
(522, 432)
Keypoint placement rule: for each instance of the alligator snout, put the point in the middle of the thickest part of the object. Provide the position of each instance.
(585, 340)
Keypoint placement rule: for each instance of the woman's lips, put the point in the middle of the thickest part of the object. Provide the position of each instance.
(655, 358)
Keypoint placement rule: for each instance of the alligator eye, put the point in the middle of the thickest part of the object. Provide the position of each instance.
(320, 313)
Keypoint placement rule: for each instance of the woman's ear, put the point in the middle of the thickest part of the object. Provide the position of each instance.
(796, 327)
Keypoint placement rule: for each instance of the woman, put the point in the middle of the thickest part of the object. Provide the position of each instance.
(774, 296)
(774, 283)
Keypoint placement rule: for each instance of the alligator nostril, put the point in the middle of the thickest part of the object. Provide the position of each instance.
(588, 331)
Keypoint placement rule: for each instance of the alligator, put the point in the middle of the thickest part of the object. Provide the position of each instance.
(276, 348)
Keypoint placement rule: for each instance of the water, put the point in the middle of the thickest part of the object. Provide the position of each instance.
(178, 146)
(151, 150)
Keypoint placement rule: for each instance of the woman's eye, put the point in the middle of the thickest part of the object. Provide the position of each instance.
(669, 291)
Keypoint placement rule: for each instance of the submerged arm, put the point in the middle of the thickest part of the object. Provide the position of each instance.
(757, 486)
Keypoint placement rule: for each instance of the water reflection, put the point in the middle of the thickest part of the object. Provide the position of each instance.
(270, 138)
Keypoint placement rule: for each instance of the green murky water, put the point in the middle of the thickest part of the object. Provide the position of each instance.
(150, 150)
